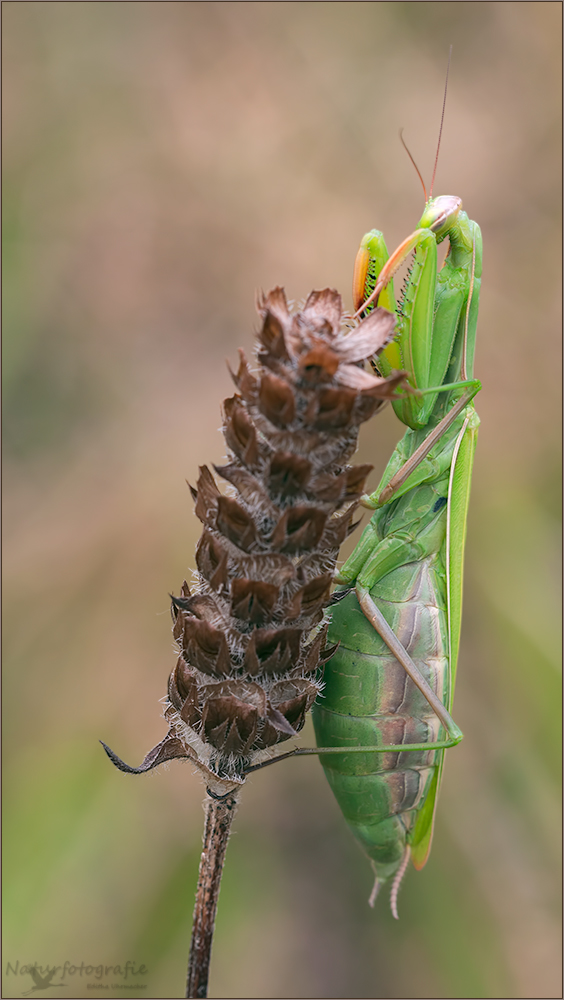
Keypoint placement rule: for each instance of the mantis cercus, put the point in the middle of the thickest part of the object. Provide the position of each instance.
(390, 684)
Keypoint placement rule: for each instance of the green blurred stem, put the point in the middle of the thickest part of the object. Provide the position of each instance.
(220, 812)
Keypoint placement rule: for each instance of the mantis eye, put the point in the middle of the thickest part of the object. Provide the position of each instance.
(441, 213)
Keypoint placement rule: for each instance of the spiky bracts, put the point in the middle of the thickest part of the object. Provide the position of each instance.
(250, 634)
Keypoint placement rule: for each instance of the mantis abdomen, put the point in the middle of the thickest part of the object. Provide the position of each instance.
(370, 700)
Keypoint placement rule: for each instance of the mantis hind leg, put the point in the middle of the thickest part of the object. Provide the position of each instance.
(379, 623)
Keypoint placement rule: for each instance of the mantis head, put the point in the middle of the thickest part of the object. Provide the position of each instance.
(441, 214)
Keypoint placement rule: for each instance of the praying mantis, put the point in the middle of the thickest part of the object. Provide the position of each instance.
(388, 689)
(397, 613)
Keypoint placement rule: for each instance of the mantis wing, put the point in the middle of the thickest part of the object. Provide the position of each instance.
(458, 500)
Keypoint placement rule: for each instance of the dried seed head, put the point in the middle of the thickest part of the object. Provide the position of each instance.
(251, 637)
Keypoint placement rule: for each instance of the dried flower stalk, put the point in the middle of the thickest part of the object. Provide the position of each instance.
(251, 633)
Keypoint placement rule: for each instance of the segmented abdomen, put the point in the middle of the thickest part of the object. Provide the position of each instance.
(369, 700)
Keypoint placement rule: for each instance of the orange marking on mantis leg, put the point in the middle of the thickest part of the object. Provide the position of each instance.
(361, 265)
(390, 268)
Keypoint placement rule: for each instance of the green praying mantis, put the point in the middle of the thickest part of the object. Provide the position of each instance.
(397, 614)
(383, 721)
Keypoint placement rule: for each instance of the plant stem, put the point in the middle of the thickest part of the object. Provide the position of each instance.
(220, 811)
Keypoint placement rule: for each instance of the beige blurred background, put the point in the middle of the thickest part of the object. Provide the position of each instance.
(162, 161)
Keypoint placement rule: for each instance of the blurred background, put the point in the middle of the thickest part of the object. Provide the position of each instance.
(162, 161)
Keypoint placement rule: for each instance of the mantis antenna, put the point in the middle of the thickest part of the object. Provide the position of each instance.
(404, 144)
(441, 127)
